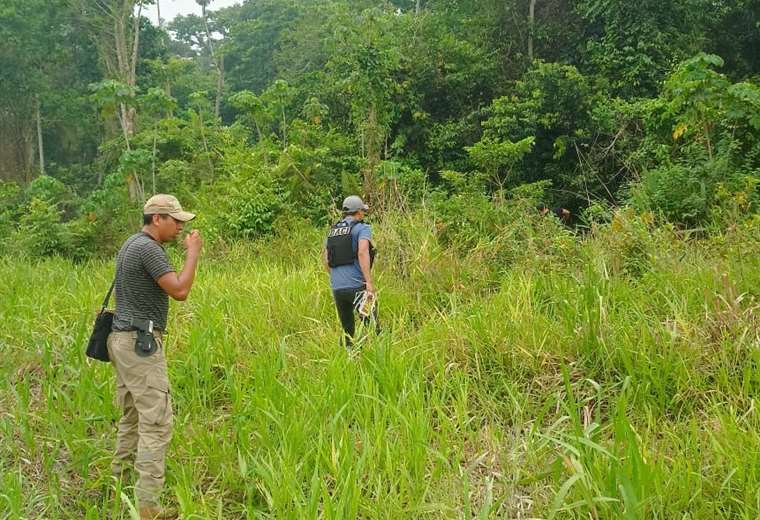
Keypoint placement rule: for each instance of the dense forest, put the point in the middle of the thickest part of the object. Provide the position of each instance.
(600, 365)
(250, 111)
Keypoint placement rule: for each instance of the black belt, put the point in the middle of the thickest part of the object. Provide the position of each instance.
(140, 324)
(143, 325)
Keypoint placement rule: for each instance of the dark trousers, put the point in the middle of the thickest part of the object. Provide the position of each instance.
(344, 302)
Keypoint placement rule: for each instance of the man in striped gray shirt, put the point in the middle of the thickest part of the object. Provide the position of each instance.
(144, 281)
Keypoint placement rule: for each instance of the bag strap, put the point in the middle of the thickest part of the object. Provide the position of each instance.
(108, 294)
(350, 224)
(118, 268)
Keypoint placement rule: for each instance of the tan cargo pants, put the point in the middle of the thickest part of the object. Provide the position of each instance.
(145, 428)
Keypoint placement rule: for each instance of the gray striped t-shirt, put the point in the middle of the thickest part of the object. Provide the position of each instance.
(140, 263)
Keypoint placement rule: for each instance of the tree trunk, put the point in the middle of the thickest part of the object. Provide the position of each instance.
(158, 13)
(40, 144)
(116, 28)
(125, 129)
(29, 153)
(218, 59)
(418, 8)
(131, 71)
(205, 144)
(531, 27)
(219, 84)
(153, 165)
(128, 65)
(373, 143)
(284, 129)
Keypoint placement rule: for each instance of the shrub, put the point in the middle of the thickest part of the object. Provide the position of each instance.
(10, 210)
(10, 197)
(174, 177)
(52, 191)
(399, 185)
(505, 233)
(679, 193)
(40, 231)
(626, 244)
(242, 207)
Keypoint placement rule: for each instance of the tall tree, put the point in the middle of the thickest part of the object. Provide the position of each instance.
(217, 57)
(115, 26)
(199, 33)
(531, 27)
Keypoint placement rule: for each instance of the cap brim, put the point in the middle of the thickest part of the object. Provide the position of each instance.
(183, 216)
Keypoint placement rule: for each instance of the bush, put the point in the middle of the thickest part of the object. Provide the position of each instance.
(10, 197)
(626, 244)
(40, 231)
(679, 193)
(174, 177)
(10, 211)
(242, 207)
(53, 192)
(697, 195)
(400, 181)
(505, 233)
(88, 237)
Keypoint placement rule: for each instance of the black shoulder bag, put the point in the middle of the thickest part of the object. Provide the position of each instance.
(97, 348)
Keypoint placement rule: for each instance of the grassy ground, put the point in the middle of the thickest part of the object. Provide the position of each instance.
(614, 378)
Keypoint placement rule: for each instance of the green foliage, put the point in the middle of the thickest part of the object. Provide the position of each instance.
(555, 107)
(602, 376)
(10, 211)
(634, 44)
(10, 197)
(110, 94)
(157, 102)
(533, 192)
(323, 98)
(248, 207)
(254, 112)
(246, 202)
(715, 130)
(176, 176)
(524, 370)
(506, 233)
(408, 184)
(497, 159)
(40, 231)
(679, 193)
(50, 190)
(630, 246)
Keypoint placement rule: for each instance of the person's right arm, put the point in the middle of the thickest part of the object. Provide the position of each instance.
(178, 285)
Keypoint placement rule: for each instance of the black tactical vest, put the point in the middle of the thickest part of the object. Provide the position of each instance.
(340, 247)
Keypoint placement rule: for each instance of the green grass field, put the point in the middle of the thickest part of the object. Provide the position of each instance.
(575, 386)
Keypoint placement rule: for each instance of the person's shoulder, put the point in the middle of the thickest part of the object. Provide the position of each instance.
(362, 231)
(360, 227)
(146, 245)
(131, 244)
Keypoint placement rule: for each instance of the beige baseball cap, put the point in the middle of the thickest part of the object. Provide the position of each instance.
(163, 204)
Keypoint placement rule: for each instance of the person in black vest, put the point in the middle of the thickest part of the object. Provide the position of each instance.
(348, 256)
